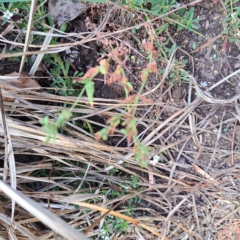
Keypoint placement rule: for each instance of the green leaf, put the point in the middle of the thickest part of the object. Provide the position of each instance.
(102, 70)
(173, 47)
(4, 21)
(162, 28)
(104, 134)
(63, 27)
(11, 1)
(94, 1)
(194, 26)
(142, 154)
(50, 20)
(194, 46)
(44, 121)
(90, 91)
(63, 116)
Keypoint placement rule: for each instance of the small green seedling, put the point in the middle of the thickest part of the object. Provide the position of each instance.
(232, 21)
(51, 128)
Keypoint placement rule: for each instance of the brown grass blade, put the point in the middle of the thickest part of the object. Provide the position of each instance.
(44, 215)
(122, 216)
(29, 28)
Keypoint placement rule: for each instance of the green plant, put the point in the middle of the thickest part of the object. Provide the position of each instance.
(13, 7)
(127, 120)
(121, 191)
(112, 225)
(14, 1)
(17, 7)
(162, 6)
(134, 181)
(156, 6)
(188, 21)
(120, 225)
(178, 73)
(232, 21)
(59, 71)
(181, 18)
(132, 204)
(51, 128)
(113, 172)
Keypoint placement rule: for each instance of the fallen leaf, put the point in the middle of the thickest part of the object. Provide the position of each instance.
(215, 1)
(64, 11)
(23, 81)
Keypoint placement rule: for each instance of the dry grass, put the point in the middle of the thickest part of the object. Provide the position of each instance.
(182, 198)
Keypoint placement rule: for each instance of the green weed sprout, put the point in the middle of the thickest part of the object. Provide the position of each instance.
(232, 21)
(51, 128)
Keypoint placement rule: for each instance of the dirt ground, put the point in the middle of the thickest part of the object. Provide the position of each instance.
(208, 66)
